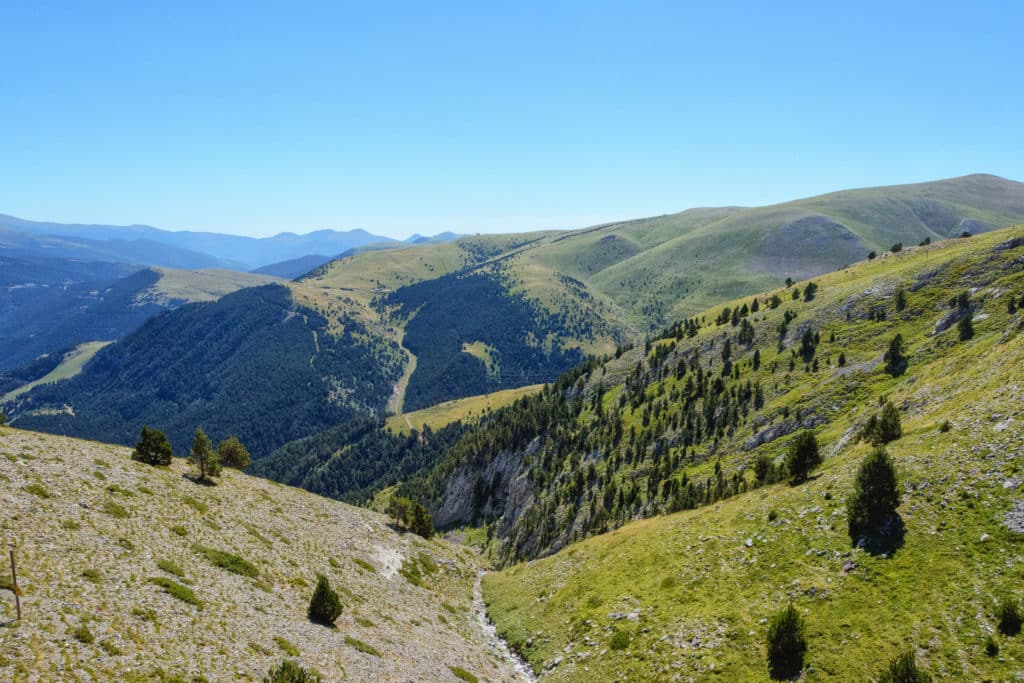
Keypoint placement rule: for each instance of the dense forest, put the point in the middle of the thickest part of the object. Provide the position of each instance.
(202, 364)
(354, 460)
(454, 310)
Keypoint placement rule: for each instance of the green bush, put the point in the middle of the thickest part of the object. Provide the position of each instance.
(324, 606)
(174, 589)
(83, 635)
(875, 494)
(1008, 616)
(203, 457)
(171, 568)
(290, 672)
(463, 675)
(884, 426)
(114, 509)
(619, 639)
(225, 560)
(903, 669)
(37, 490)
(233, 454)
(361, 646)
(153, 448)
(787, 644)
(991, 646)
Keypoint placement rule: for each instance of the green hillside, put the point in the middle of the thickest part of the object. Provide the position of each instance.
(681, 429)
(264, 363)
(653, 271)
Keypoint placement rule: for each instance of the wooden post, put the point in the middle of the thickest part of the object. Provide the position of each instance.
(14, 583)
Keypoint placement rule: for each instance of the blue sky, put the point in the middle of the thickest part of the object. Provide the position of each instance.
(482, 117)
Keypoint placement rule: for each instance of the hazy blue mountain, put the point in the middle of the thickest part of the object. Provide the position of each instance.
(134, 242)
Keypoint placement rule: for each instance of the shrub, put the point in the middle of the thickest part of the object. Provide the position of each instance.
(619, 639)
(903, 669)
(290, 672)
(462, 674)
(1008, 615)
(787, 644)
(37, 490)
(875, 494)
(225, 560)
(83, 635)
(324, 606)
(175, 589)
(171, 568)
(945, 426)
(286, 646)
(153, 448)
(803, 456)
(114, 509)
(179, 530)
(233, 454)
(361, 646)
(991, 646)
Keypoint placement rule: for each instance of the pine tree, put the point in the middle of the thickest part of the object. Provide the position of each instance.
(203, 457)
(883, 427)
(895, 362)
(787, 644)
(421, 521)
(901, 299)
(803, 456)
(153, 448)
(232, 453)
(965, 327)
(324, 606)
(875, 494)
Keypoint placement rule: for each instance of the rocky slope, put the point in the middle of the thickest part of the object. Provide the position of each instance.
(92, 530)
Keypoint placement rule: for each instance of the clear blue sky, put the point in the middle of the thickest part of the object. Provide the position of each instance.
(425, 116)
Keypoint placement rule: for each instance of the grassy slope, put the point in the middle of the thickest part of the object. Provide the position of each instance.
(692, 576)
(84, 562)
(72, 364)
(186, 286)
(644, 273)
(468, 408)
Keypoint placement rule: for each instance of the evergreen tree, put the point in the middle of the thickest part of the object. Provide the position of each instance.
(400, 508)
(803, 456)
(875, 494)
(421, 521)
(3, 418)
(232, 453)
(203, 457)
(842, 359)
(810, 290)
(1008, 616)
(901, 299)
(872, 255)
(965, 327)
(324, 606)
(153, 447)
(883, 427)
(895, 361)
(903, 669)
(757, 359)
(787, 644)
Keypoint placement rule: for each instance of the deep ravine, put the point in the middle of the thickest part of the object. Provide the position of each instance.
(494, 641)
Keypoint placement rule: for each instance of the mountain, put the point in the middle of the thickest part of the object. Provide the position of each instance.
(135, 252)
(493, 312)
(293, 268)
(691, 440)
(49, 305)
(135, 573)
(263, 363)
(440, 237)
(135, 243)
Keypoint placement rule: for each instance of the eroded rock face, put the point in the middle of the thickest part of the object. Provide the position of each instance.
(501, 488)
